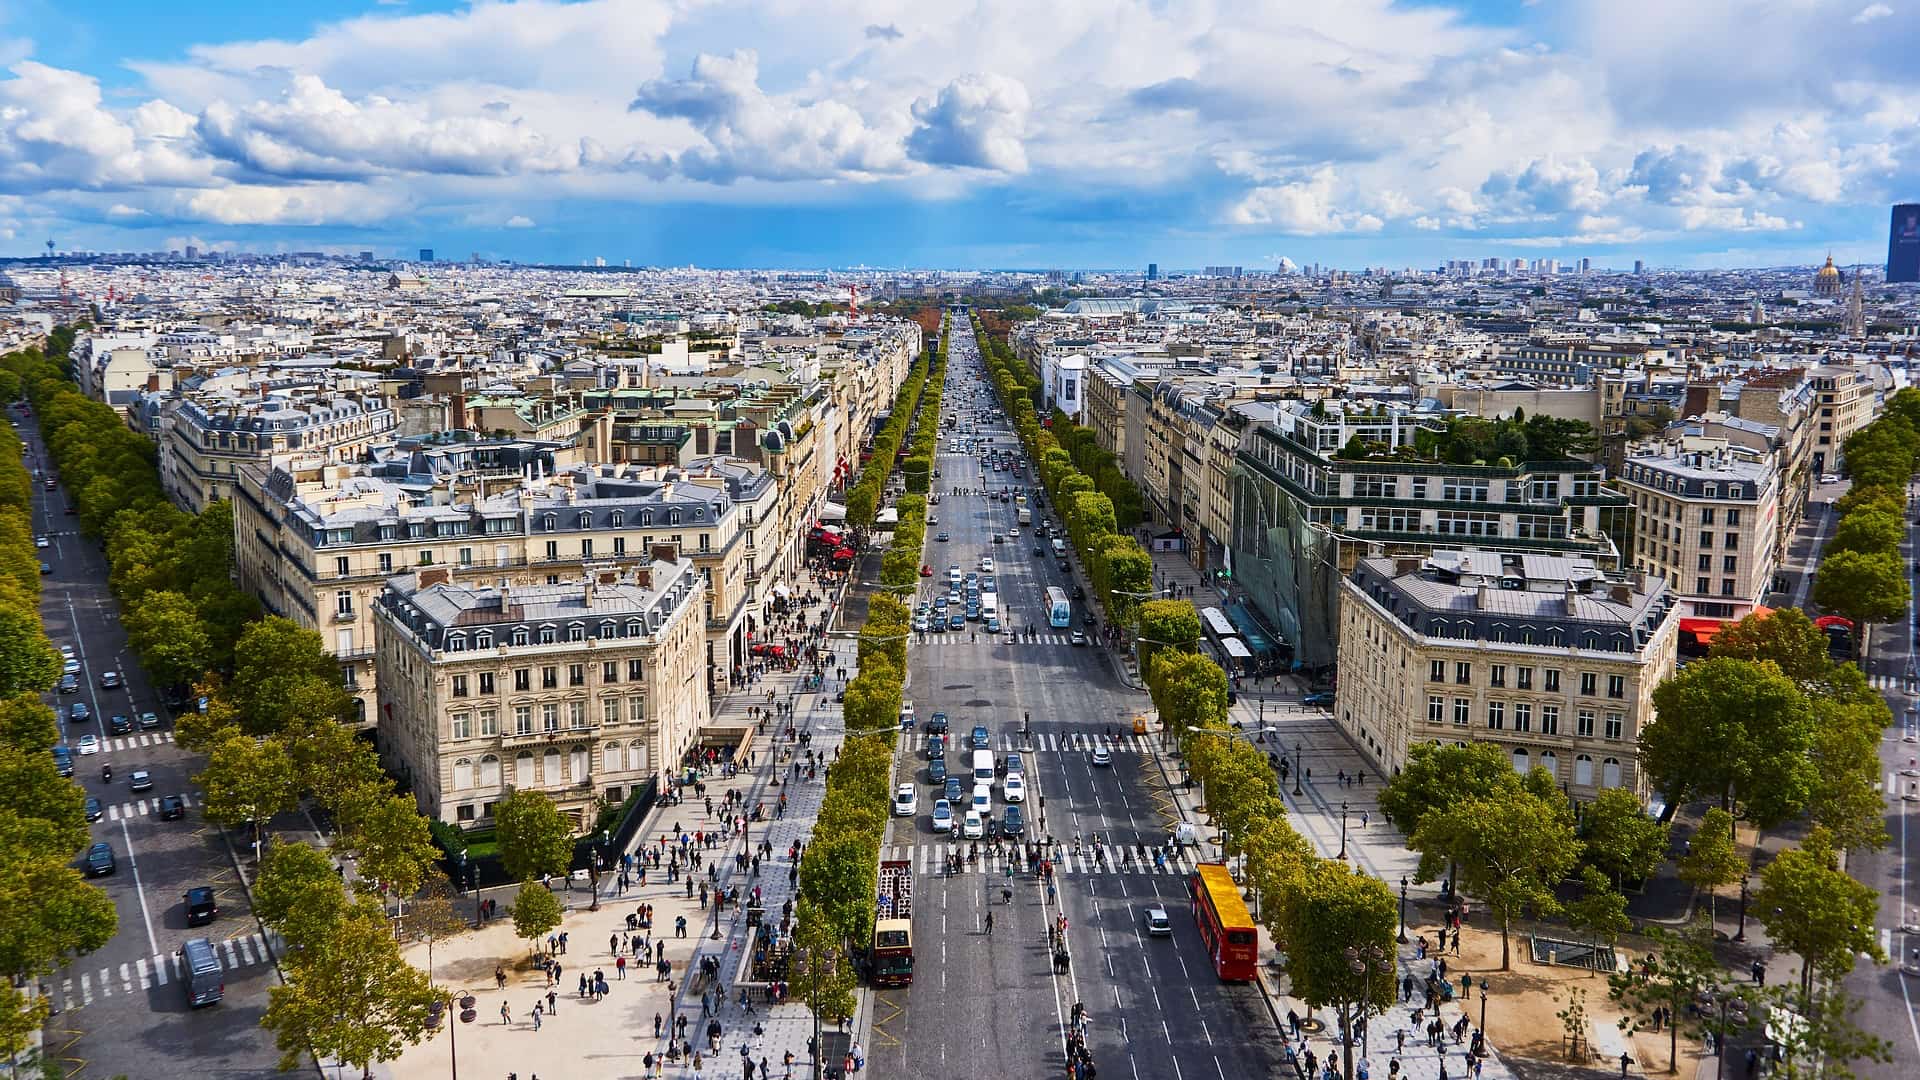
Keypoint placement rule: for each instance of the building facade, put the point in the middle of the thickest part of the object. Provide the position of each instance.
(583, 690)
(1707, 519)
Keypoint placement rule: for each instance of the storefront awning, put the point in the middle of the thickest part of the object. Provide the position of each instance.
(832, 511)
(1235, 649)
(780, 590)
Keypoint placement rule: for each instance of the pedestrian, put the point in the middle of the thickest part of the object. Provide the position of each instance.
(583, 984)
(499, 977)
(506, 1015)
(620, 966)
(553, 1003)
(536, 1016)
(656, 1025)
(1627, 1059)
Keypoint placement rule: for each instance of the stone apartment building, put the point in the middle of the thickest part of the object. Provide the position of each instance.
(1707, 520)
(1545, 656)
(583, 690)
(206, 441)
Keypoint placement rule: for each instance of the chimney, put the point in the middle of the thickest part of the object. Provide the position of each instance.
(1481, 595)
(1572, 592)
(589, 592)
(506, 597)
(1621, 594)
(1406, 564)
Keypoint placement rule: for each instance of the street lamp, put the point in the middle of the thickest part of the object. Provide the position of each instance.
(1483, 1005)
(464, 1001)
(1343, 831)
(1741, 934)
(1362, 962)
(1402, 937)
(1296, 771)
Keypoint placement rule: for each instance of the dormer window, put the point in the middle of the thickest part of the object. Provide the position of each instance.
(521, 637)
(456, 643)
(646, 519)
(550, 522)
(607, 629)
(576, 632)
(673, 516)
(548, 635)
(634, 629)
(585, 521)
(483, 640)
(618, 518)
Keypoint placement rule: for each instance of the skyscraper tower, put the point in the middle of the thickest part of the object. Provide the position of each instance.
(1856, 320)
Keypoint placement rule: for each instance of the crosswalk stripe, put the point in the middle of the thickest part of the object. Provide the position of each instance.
(106, 984)
(231, 962)
(126, 979)
(147, 977)
(1127, 858)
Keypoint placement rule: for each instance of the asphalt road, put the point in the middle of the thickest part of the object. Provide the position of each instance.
(123, 1010)
(992, 1005)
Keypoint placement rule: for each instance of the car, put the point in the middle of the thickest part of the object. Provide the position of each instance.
(140, 780)
(1013, 788)
(66, 652)
(981, 801)
(937, 626)
(110, 680)
(119, 725)
(173, 807)
(920, 624)
(925, 570)
(41, 541)
(1012, 822)
(998, 539)
(906, 801)
(94, 811)
(942, 537)
(100, 860)
(973, 826)
(79, 713)
(1319, 698)
(1078, 637)
(937, 771)
(940, 604)
(954, 790)
(201, 906)
(88, 745)
(51, 483)
(973, 612)
(1102, 756)
(979, 739)
(986, 565)
(934, 519)
(63, 760)
(937, 724)
(1039, 552)
(1158, 925)
(993, 624)
(955, 622)
(1829, 478)
(69, 684)
(936, 746)
(149, 721)
(69, 666)
(942, 816)
(1013, 533)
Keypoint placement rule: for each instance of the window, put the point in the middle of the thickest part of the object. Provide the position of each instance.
(483, 640)
(585, 520)
(343, 602)
(576, 714)
(486, 684)
(1436, 671)
(586, 548)
(342, 566)
(610, 671)
(1553, 680)
(1730, 564)
(634, 629)
(1522, 762)
(521, 636)
(1463, 673)
(1589, 682)
(1436, 710)
(1583, 770)
(1610, 773)
(459, 686)
(553, 550)
(463, 725)
(610, 711)
(1616, 686)
(1706, 539)
(1616, 726)
(522, 679)
(636, 710)
(549, 678)
(619, 545)
(466, 556)
(617, 519)
(1497, 675)
(523, 719)
(1525, 675)
(576, 632)
(386, 562)
(610, 757)
(548, 635)
(1726, 586)
(1700, 586)
(489, 723)
(635, 671)
(576, 674)
(1496, 715)
(1584, 724)
(1706, 515)
(489, 771)
(463, 774)
(1522, 716)
(456, 643)
(1549, 719)
(1733, 541)
(1462, 711)
(1733, 518)
(550, 717)
(1706, 563)
(1375, 487)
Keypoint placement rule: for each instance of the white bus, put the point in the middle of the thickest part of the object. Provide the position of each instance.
(1059, 613)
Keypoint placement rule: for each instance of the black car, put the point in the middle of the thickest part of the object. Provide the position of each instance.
(94, 811)
(172, 808)
(937, 771)
(141, 780)
(69, 684)
(1012, 823)
(119, 725)
(100, 860)
(201, 906)
(937, 724)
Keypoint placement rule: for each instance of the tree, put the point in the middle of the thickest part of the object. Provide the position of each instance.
(839, 872)
(1437, 775)
(28, 661)
(49, 915)
(337, 767)
(350, 998)
(1167, 624)
(1336, 909)
(27, 725)
(299, 893)
(536, 912)
(1865, 587)
(433, 918)
(1785, 636)
(1621, 840)
(1733, 731)
(1192, 691)
(21, 1018)
(1671, 975)
(166, 629)
(1712, 859)
(1818, 1038)
(822, 969)
(1511, 849)
(1600, 913)
(283, 672)
(248, 780)
(535, 840)
(1813, 909)
(48, 809)
(394, 846)
(1868, 532)
(1846, 757)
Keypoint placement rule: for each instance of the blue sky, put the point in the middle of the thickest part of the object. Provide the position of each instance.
(1106, 133)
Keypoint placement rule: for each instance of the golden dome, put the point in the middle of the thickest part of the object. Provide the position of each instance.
(1829, 270)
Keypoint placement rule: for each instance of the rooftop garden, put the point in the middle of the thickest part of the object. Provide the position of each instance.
(1473, 440)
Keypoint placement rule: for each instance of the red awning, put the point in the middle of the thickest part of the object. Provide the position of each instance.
(1704, 629)
(843, 553)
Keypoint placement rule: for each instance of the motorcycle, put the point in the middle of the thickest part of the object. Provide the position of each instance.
(106, 772)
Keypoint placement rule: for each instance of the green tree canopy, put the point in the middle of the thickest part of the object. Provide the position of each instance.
(536, 912)
(1622, 841)
(535, 838)
(1812, 908)
(247, 779)
(1734, 731)
(351, 998)
(1334, 909)
(1511, 849)
(1437, 775)
(1867, 587)
(1785, 636)
(299, 894)
(1712, 860)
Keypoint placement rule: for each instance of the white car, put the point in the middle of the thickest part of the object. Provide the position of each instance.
(88, 744)
(1830, 478)
(1013, 789)
(1102, 756)
(920, 623)
(986, 565)
(982, 801)
(973, 826)
(906, 801)
(71, 667)
(942, 816)
(41, 541)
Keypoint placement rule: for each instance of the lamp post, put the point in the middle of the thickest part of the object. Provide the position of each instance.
(1343, 831)
(463, 1001)
(1296, 771)
(1401, 938)
(1483, 1004)
(1741, 934)
(1362, 962)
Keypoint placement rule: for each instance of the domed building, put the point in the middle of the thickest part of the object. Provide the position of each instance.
(1827, 281)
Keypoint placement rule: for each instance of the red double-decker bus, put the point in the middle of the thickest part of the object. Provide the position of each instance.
(1225, 925)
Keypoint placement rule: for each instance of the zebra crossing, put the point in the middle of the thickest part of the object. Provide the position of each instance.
(140, 808)
(123, 743)
(1077, 742)
(981, 637)
(930, 859)
(1886, 682)
(77, 991)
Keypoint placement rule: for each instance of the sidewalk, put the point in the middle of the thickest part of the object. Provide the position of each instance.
(610, 1037)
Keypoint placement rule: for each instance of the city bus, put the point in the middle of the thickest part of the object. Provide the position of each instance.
(1059, 612)
(1225, 926)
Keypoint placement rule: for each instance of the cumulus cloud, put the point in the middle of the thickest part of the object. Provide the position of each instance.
(976, 121)
(889, 32)
(1548, 186)
(1871, 13)
(746, 133)
(1304, 207)
(519, 221)
(55, 133)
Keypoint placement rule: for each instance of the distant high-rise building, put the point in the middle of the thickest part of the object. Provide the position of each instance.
(1153, 271)
(1639, 268)
(426, 254)
(1903, 244)
(366, 256)
(1586, 265)
(192, 252)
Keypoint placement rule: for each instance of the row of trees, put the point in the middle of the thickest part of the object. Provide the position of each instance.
(1860, 574)
(1120, 569)
(839, 874)
(49, 914)
(863, 498)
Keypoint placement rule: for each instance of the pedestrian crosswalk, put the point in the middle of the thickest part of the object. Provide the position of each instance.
(83, 988)
(122, 743)
(1886, 682)
(974, 636)
(1077, 742)
(140, 808)
(930, 859)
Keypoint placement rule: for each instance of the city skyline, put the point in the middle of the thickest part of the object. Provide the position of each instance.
(875, 133)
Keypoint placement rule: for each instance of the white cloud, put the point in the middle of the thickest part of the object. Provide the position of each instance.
(519, 221)
(1871, 13)
(1305, 207)
(976, 121)
(306, 204)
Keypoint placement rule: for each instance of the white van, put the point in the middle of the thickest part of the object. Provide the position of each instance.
(989, 605)
(1059, 548)
(983, 767)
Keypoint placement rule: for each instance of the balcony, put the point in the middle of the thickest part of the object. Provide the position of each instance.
(345, 616)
